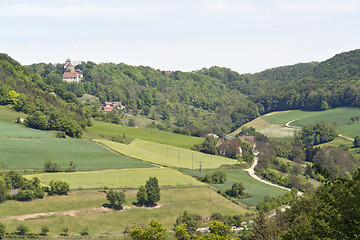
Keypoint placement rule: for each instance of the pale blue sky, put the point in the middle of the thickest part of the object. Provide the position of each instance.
(244, 35)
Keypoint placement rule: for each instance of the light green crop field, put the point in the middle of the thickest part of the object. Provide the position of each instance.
(24, 153)
(152, 135)
(255, 188)
(10, 115)
(167, 155)
(84, 211)
(9, 129)
(123, 178)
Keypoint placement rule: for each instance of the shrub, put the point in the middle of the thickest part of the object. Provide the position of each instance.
(44, 230)
(59, 188)
(22, 229)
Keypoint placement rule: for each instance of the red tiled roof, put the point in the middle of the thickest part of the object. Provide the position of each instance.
(70, 75)
(108, 108)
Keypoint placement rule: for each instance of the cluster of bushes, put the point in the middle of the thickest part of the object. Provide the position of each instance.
(274, 202)
(20, 188)
(15, 187)
(217, 177)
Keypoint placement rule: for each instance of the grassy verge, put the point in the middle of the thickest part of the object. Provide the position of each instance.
(167, 155)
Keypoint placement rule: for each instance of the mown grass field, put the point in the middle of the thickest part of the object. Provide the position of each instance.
(120, 178)
(107, 223)
(167, 155)
(24, 153)
(256, 189)
(152, 135)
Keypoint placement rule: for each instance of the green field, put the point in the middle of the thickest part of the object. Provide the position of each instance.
(168, 155)
(24, 153)
(255, 188)
(9, 129)
(123, 178)
(108, 223)
(152, 135)
(10, 115)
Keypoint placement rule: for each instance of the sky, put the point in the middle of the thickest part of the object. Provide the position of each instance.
(245, 35)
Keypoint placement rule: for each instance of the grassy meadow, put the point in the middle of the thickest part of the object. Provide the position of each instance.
(168, 155)
(147, 134)
(9, 115)
(256, 189)
(120, 178)
(24, 153)
(84, 211)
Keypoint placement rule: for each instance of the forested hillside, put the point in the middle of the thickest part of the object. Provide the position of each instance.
(329, 84)
(193, 103)
(48, 107)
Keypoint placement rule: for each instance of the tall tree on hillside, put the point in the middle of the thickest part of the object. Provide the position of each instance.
(152, 190)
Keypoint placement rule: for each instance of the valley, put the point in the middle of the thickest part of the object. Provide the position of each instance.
(196, 133)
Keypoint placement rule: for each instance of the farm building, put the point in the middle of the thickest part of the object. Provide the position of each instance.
(109, 106)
